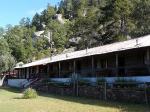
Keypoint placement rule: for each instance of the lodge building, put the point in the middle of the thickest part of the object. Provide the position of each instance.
(128, 59)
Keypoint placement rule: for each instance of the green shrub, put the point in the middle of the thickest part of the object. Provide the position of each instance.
(84, 82)
(30, 93)
(45, 80)
(101, 81)
(125, 83)
(62, 84)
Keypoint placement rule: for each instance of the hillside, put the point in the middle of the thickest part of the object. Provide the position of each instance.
(75, 25)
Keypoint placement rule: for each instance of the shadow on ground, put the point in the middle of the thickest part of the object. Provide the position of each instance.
(123, 107)
(11, 89)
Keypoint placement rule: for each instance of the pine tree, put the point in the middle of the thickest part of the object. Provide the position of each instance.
(122, 12)
(141, 18)
(36, 21)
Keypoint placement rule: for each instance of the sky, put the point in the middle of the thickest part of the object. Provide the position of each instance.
(12, 11)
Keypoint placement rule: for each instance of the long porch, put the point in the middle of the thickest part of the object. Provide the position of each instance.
(129, 63)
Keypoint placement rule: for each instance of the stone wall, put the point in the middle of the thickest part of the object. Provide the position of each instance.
(60, 90)
(95, 92)
(126, 95)
(91, 92)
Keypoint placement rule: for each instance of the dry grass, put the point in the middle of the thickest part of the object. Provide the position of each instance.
(10, 101)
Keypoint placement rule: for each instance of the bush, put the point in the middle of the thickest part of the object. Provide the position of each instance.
(60, 84)
(30, 93)
(125, 83)
(84, 82)
(101, 81)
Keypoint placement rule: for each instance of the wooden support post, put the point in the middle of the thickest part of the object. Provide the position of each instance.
(74, 79)
(116, 64)
(24, 73)
(148, 59)
(18, 73)
(74, 68)
(105, 90)
(59, 67)
(37, 72)
(21, 73)
(48, 70)
(93, 73)
(30, 72)
(106, 63)
(148, 56)
(37, 69)
(27, 73)
(145, 90)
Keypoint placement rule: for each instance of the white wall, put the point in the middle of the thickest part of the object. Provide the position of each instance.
(112, 79)
(17, 82)
(61, 79)
(20, 82)
(109, 79)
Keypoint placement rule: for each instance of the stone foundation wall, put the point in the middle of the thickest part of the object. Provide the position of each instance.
(61, 90)
(134, 96)
(95, 92)
(91, 92)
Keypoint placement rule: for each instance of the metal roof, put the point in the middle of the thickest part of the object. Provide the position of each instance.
(118, 46)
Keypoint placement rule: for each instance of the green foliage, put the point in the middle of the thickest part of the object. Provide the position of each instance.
(96, 22)
(36, 21)
(25, 22)
(83, 82)
(2, 31)
(4, 47)
(47, 15)
(101, 81)
(19, 39)
(125, 83)
(59, 33)
(141, 18)
(30, 93)
(122, 12)
(123, 80)
(7, 61)
(41, 48)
